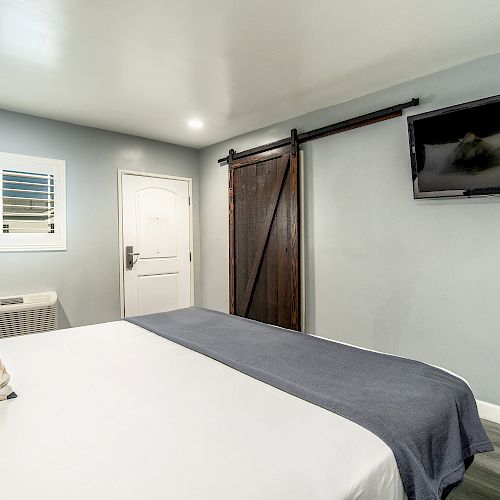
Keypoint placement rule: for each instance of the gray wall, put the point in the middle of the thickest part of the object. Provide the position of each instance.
(86, 276)
(415, 278)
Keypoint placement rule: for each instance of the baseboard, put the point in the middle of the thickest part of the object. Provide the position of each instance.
(489, 411)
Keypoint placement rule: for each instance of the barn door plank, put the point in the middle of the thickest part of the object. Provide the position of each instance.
(232, 287)
(264, 233)
(294, 244)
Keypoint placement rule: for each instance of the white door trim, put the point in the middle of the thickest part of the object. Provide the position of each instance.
(189, 180)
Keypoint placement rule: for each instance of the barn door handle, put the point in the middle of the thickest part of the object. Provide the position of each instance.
(129, 257)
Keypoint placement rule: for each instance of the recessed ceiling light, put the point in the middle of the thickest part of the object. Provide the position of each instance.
(195, 124)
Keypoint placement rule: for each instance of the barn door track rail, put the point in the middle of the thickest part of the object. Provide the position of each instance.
(335, 128)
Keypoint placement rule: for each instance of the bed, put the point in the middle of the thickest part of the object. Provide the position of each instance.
(113, 411)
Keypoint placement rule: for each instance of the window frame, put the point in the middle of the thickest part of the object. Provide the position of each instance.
(32, 242)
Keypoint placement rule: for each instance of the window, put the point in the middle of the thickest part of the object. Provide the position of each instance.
(32, 203)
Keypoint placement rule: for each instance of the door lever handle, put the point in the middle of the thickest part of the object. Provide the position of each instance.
(129, 257)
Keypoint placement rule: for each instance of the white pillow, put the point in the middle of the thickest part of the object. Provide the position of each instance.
(5, 388)
(438, 157)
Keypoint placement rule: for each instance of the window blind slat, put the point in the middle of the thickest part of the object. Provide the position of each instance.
(13, 230)
(39, 207)
(47, 193)
(27, 183)
(25, 174)
(38, 200)
(25, 214)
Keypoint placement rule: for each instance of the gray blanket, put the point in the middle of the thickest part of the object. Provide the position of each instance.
(425, 415)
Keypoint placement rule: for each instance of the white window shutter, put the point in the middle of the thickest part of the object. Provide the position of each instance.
(32, 203)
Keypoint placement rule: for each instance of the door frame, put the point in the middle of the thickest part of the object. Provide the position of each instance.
(189, 180)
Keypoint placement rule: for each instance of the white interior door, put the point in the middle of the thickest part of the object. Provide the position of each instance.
(156, 225)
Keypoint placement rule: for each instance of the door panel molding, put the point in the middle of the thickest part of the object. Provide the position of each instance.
(123, 172)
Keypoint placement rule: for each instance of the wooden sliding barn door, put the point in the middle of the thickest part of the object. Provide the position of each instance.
(264, 237)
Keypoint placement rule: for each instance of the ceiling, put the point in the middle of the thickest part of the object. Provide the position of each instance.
(148, 67)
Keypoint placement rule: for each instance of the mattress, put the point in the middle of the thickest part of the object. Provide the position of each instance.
(111, 411)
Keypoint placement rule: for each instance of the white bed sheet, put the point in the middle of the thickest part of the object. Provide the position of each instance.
(113, 412)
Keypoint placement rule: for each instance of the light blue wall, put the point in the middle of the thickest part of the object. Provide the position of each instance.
(86, 276)
(415, 278)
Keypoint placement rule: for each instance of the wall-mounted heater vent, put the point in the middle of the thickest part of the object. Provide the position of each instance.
(23, 314)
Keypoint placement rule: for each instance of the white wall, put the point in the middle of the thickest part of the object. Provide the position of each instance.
(86, 275)
(416, 278)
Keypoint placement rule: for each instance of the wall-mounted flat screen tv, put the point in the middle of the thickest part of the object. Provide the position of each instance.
(456, 151)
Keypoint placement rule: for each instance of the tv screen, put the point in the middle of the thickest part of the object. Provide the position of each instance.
(456, 151)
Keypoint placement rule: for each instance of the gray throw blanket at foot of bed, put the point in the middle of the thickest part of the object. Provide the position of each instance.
(427, 416)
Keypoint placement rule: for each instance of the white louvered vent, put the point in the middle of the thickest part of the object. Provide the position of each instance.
(33, 313)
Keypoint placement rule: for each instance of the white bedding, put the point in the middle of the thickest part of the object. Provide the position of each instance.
(114, 412)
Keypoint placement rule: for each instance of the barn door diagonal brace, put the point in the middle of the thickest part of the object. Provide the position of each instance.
(264, 234)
